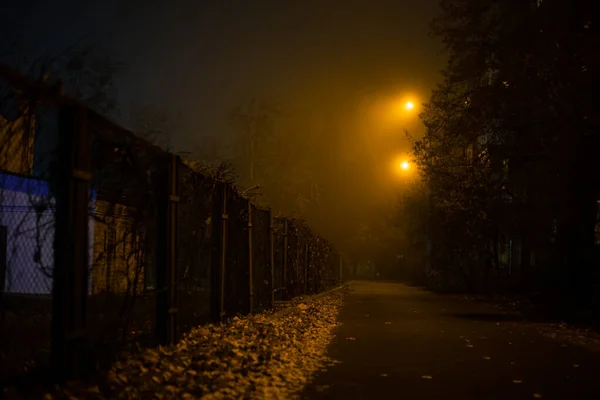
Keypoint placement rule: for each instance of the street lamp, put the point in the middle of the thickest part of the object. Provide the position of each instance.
(402, 167)
(409, 105)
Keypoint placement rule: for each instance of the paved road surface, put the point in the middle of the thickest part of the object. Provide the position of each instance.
(399, 342)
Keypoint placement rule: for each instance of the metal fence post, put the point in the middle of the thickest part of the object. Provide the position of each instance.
(72, 194)
(219, 252)
(285, 258)
(250, 264)
(167, 233)
(272, 257)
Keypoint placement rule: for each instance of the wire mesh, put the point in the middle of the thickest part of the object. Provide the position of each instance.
(237, 272)
(26, 266)
(310, 264)
(261, 258)
(194, 248)
(292, 264)
(313, 267)
(278, 258)
(127, 215)
(296, 259)
(121, 304)
(27, 223)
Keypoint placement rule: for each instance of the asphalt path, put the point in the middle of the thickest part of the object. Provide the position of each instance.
(401, 342)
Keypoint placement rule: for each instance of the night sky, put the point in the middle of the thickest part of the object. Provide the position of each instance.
(321, 60)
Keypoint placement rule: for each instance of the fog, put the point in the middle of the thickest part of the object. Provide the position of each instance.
(338, 74)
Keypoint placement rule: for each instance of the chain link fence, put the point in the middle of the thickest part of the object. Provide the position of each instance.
(27, 222)
(298, 239)
(109, 244)
(279, 259)
(121, 295)
(261, 260)
(237, 270)
(26, 268)
(194, 249)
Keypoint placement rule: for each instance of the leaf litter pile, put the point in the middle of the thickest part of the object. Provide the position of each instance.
(264, 356)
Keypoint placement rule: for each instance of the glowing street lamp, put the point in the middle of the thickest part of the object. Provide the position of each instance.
(409, 105)
(402, 166)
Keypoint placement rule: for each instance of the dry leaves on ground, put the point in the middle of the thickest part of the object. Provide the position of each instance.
(565, 333)
(265, 356)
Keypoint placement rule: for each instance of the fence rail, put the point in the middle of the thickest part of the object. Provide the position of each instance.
(108, 243)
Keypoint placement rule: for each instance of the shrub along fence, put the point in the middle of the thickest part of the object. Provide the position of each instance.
(142, 247)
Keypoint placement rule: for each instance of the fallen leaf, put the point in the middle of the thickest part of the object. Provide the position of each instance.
(426, 377)
(469, 345)
(388, 323)
(264, 355)
(487, 358)
(350, 338)
(537, 396)
(575, 365)
(517, 381)
(384, 375)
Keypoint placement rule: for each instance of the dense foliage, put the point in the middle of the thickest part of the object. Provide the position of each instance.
(507, 199)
